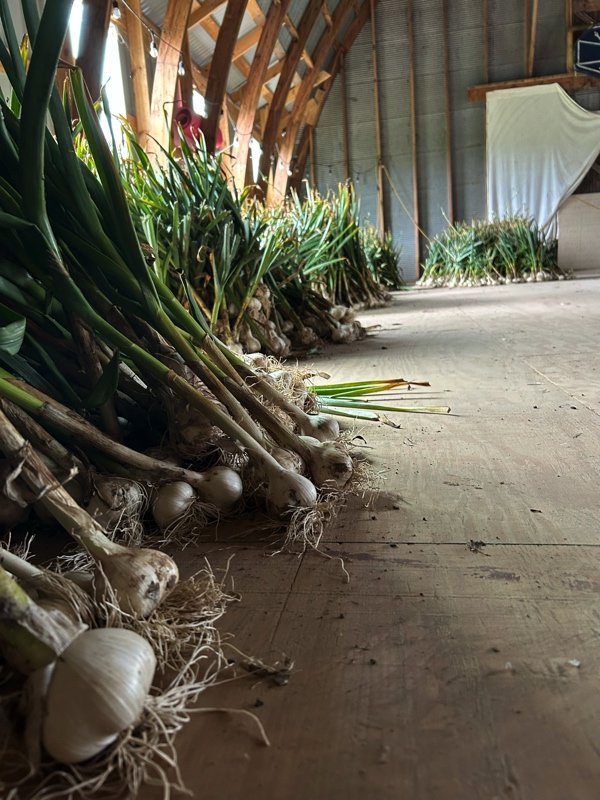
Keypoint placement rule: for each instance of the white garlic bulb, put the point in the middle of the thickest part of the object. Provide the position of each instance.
(172, 501)
(96, 690)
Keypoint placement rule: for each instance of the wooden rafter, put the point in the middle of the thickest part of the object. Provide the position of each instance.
(378, 136)
(219, 68)
(568, 81)
(304, 145)
(252, 90)
(94, 26)
(271, 73)
(211, 27)
(207, 8)
(139, 72)
(246, 42)
(165, 75)
(319, 55)
(277, 106)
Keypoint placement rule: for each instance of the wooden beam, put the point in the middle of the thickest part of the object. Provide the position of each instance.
(568, 81)
(174, 29)
(207, 8)
(532, 39)
(186, 81)
(307, 58)
(139, 72)
(304, 147)
(378, 137)
(246, 43)
(326, 15)
(486, 40)
(313, 161)
(413, 132)
(291, 27)
(278, 103)
(286, 149)
(92, 39)
(345, 130)
(211, 27)
(569, 33)
(219, 68)
(448, 114)
(252, 90)
(271, 73)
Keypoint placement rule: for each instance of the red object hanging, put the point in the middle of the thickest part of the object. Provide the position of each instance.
(192, 125)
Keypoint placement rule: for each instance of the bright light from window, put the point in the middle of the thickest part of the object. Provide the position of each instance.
(198, 103)
(112, 80)
(112, 77)
(256, 151)
(75, 26)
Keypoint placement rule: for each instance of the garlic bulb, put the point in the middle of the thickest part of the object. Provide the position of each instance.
(140, 577)
(221, 487)
(113, 498)
(287, 490)
(325, 429)
(172, 501)
(329, 465)
(288, 459)
(96, 690)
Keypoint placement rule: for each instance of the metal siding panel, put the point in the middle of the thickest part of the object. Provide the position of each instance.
(466, 52)
(315, 34)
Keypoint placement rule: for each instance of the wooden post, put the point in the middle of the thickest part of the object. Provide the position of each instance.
(448, 109)
(186, 82)
(486, 40)
(278, 103)
(531, 55)
(252, 89)
(378, 140)
(165, 76)
(296, 117)
(526, 37)
(313, 162)
(569, 31)
(413, 133)
(92, 39)
(306, 140)
(219, 68)
(345, 131)
(139, 72)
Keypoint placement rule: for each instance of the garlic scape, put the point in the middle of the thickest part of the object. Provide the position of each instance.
(140, 578)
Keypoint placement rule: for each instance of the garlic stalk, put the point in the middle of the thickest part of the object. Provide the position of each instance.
(328, 464)
(317, 425)
(31, 637)
(140, 578)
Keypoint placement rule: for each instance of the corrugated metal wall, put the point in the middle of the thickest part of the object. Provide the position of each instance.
(466, 53)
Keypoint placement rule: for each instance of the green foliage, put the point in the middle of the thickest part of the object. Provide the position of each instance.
(482, 252)
(219, 251)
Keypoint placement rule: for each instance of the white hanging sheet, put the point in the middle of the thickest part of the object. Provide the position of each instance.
(540, 145)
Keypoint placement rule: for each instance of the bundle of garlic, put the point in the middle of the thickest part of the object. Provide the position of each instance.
(96, 719)
(109, 361)
(140, 578)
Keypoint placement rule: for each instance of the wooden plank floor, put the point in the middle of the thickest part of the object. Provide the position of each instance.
(437, 673)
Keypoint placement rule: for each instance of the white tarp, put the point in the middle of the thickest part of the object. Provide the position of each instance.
(540, 145)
